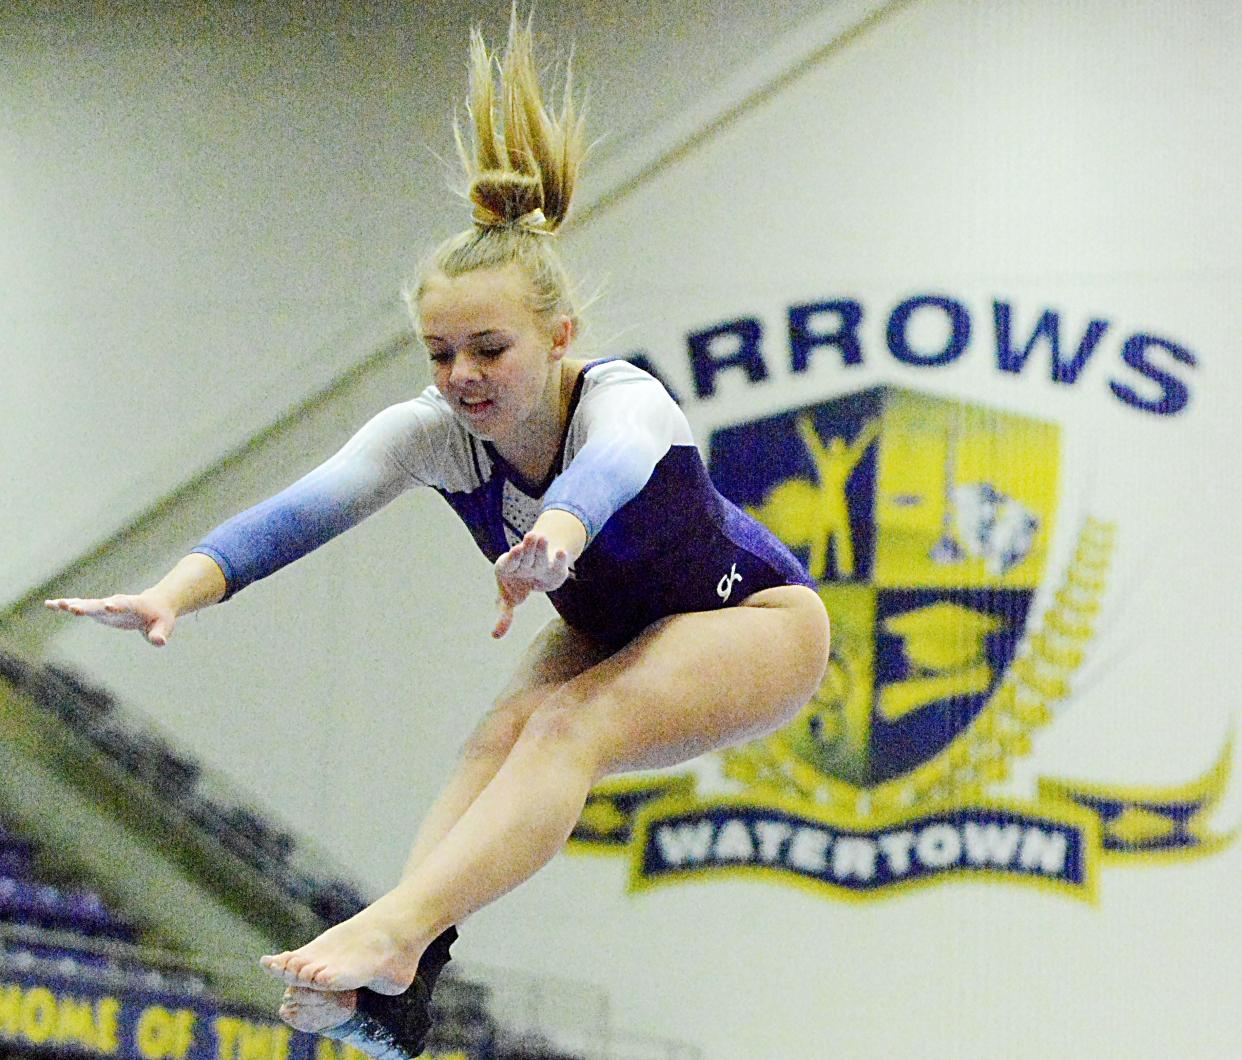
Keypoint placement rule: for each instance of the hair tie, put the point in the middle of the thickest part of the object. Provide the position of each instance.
(533, 221)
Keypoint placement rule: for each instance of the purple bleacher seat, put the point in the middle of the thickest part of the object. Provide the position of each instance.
(54, 954)
(44, 905)
(20, 959)
(10, 890)
(149, 758)
(15, 858)
(86, 910)
(98, 967)
(17, 898)
(174, 774)
(46, 901)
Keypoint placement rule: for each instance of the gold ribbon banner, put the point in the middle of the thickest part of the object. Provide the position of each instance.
(1152, 823)
(672, 834)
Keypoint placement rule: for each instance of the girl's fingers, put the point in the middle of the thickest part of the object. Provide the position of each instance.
(542, 560)
(120, 612)
(530, 554)
(506, 601)
(81, 606)
(504, 621)
(511, 561)
(529, 566)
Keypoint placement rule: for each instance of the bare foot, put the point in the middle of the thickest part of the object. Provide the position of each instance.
(316, 1011)
(364, 950)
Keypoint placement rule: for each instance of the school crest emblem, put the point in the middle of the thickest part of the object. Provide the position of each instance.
(929, 526)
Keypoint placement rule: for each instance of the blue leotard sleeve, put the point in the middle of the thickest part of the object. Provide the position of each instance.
(394, 451)
(625, 425)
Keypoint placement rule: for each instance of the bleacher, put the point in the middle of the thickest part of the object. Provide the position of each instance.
(65, 929)
(67, 947)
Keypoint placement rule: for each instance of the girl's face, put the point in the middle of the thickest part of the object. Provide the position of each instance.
(491, 355)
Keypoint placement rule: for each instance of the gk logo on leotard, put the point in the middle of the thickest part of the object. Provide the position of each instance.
(928, 525)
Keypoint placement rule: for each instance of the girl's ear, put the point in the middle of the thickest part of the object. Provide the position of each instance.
(564, 328)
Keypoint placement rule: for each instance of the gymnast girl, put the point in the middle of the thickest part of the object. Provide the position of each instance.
(683, 624)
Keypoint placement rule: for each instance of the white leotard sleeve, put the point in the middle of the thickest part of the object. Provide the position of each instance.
(415, 443)
(624, 425)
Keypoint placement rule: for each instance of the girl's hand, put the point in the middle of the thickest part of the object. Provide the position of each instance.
(145, 612)
(528, 567)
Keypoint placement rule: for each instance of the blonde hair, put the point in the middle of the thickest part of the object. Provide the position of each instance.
(521, 174)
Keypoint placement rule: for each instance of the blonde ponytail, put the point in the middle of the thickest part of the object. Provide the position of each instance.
(521, 165)
(531, 162)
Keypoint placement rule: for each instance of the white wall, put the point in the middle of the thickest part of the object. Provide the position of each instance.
(1055, 155)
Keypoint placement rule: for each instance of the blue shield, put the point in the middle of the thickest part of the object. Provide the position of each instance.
(927, 524)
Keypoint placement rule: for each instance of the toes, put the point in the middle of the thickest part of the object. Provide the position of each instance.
(295, 962)
(329, 983)
(320, 977)
(280, 968)
(310, 973)
(310, 970)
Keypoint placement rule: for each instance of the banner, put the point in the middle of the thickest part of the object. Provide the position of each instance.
(52, 1013)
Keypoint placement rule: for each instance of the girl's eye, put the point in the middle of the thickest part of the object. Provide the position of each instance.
(489, 353)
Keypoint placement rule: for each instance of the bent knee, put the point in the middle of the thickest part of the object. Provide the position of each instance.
(494, 736)
(559, 719)
(807, 640)
(816, 627)
(568, 722)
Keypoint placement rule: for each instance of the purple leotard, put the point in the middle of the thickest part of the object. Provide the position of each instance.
(660, 539)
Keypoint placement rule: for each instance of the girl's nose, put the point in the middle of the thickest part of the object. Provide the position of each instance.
(465, 370)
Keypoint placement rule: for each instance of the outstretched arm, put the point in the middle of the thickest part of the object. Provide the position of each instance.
(813, 442)
(356, 482)
(363, 476)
